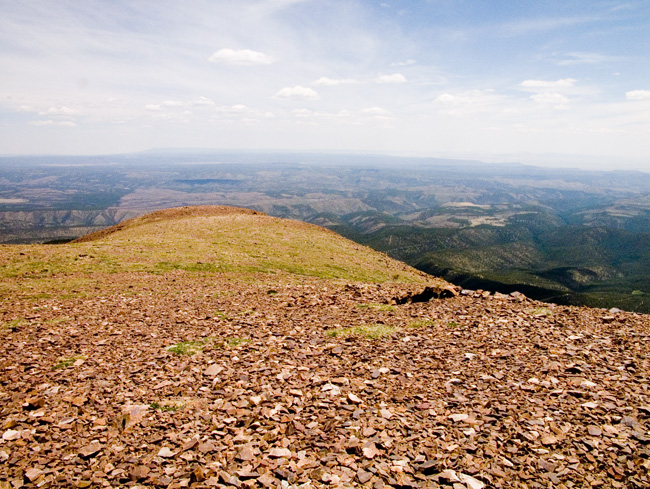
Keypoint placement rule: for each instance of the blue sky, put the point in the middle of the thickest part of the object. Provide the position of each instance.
(490, 79)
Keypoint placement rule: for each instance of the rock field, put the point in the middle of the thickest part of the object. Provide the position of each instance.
(187, 380)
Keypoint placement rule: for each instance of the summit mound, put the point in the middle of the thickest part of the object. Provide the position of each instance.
(231, 239)
(219, 347)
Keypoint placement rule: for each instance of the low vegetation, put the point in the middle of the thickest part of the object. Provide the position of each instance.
(421, 323)
(68, 362)
(372, 331)
(377, 307)
(190, 347)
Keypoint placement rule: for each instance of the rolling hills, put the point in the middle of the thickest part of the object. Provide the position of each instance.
(220, 347)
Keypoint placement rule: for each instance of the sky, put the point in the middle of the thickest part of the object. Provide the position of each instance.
(491, 79)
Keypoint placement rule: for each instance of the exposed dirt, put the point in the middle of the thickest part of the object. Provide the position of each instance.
(470, 391)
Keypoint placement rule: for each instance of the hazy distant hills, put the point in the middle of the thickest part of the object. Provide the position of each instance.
(570, 236)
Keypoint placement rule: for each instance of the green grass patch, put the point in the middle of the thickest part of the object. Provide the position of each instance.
(219, 315)
(14, 324)
(452, 324)
(421, 323)
(235, 342)
(540, 311)
(39, 296)
(377, 307)
(167, 407)
(190, 348)
(372, 331)
(68, 362)
(188, 267)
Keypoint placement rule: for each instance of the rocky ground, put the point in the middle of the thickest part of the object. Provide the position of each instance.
(188, 380)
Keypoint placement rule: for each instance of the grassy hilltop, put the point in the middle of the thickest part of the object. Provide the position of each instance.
(205, 239)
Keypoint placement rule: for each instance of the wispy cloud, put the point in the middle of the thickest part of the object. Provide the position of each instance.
(172, 103)
(202, 101)
(333, 82)
(408, 62)
(53, 123)
(297, 93)
(181, 69)
(580, 58)
(528, 26)
(543, 84)
(638, 95)
(394, 78)
(370, 115)
(470, 102)
(241, 57)
(240, 113)
(59, 111)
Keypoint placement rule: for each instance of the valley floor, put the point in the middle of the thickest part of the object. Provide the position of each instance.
(280, 381)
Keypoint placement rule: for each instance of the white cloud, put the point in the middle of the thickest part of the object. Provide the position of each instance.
(447, 98)
(394, 78)
(53, 123)
(332, 82)
(638, 95)
(152, 107)
(375, 115)
(578, 58)
(172, 103)
(240, 113)
(233, 109)
(562, 83)
(202, 101)
(472, 102)
(525, 27)
(408, 62)
(374, 111)
(241, 57)
(59, 111)
(297, 93)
